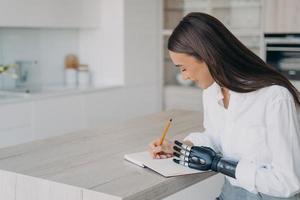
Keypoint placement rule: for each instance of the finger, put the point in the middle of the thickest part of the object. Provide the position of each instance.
(181, 162)
(183, 146)
(151, 153)
(154, 143)
(157, 149)
(176, 148)
(176, 154)
(169, 155)
(162, 156)
(154, 154)
(181, 151)
(157, 156)
(181, 157)
(187, 148)
(151, 145)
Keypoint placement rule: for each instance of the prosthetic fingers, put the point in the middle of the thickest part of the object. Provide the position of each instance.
(203, 158)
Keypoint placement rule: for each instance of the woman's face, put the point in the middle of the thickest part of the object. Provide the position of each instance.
(192, 69)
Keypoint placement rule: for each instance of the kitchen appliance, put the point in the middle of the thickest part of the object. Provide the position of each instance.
(282, 51)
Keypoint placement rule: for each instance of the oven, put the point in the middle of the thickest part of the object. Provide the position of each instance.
(282, 51)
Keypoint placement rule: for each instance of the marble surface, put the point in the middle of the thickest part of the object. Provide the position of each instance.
(93, 159)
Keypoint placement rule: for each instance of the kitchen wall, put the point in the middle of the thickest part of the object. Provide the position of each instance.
(131, 55)
(47, 46)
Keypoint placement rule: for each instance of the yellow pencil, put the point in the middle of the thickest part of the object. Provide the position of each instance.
(165, 132)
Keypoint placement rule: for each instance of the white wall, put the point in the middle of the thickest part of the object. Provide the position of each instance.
(48, 46)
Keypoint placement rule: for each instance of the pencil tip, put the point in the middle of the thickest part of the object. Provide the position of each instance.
(171, 119)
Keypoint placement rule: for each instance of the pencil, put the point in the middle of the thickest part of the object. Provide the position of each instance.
(165, 132)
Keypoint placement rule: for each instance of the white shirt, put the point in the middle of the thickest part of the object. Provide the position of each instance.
(261, 130)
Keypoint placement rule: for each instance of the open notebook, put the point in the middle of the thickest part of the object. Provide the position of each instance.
(165, 167)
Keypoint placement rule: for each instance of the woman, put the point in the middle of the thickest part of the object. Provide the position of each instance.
(250, 113)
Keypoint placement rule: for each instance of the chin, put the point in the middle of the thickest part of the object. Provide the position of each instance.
(199, 85)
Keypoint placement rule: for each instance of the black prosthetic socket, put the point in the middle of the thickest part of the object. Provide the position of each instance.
(224, 166)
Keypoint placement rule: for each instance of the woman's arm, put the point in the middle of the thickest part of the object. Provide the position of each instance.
(280, 178)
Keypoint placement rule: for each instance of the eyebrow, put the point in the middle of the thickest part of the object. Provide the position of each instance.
(178, 65)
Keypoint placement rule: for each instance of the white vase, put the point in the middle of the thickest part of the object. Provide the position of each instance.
(70, 77)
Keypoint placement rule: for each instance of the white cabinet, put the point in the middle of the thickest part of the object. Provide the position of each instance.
(281, 16)
(208, 189)
(31, 188)
(55, 116)
(92, 195)
(183, 98)
(49, 13)
(15, 126)
(7, 185)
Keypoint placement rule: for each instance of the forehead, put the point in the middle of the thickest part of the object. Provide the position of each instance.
(181, 58)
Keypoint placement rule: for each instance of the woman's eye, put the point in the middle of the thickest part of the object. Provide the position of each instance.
(183, 70)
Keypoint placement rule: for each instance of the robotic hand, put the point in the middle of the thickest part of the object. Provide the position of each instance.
(203, 158)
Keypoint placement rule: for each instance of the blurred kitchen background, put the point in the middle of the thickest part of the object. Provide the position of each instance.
(69, 65)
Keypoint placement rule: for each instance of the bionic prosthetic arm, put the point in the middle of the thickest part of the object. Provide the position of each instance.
(203, 158)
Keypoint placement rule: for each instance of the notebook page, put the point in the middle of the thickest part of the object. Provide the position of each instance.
(165, 167)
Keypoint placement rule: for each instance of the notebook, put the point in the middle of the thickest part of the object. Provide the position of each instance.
(165, 167)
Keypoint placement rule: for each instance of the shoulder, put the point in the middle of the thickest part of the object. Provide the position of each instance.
(275, 93)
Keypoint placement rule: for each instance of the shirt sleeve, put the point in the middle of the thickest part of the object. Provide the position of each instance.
(206, 138)
(281, 177)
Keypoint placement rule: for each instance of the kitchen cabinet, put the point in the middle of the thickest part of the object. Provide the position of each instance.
(29, 188)
(41, 118)
(7, 185)
(55, 116)
(15, 126)
(183, 98)
(50, 13)
(281, 16)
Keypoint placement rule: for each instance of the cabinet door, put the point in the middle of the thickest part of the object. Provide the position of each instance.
(31, 188)
(48, 13)
(282, 16)
(15, 126)
(7, 185)
(209, 188)
(56, 116)
(92, 195)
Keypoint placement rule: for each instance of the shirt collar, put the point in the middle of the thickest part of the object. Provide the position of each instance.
(214, 91)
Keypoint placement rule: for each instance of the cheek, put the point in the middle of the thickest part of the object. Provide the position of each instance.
(204, 76)
(201, 73)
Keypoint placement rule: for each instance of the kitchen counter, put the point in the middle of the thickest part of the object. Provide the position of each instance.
(23, 94)
(89, 165)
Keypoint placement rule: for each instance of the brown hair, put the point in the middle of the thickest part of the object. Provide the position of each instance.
(231, 64)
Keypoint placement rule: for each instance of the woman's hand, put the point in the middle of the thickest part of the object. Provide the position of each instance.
(161, 151)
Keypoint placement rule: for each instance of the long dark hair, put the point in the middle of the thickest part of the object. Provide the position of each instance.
(231, 64)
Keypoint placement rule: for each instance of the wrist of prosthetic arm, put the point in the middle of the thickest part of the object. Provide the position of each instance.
(203, 158)
(224, 166)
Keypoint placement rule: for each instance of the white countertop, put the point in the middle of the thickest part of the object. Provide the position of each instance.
(7, 96)
(93, 159)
